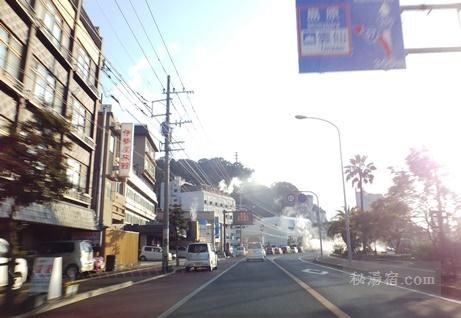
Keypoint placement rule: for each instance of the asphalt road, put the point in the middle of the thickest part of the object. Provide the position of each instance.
(285, 286)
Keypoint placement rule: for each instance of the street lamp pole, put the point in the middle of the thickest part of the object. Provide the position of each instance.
(319, 221)
(346, 210)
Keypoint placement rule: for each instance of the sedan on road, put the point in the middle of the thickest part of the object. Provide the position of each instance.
(286, 249)
(270, 251)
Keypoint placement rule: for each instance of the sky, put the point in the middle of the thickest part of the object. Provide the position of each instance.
(240, 59)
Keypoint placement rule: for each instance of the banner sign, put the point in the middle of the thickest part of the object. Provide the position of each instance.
(348, 35)
(126, 149)
(47, 277)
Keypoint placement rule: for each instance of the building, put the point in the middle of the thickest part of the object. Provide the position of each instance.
(281, 231)
(141, 200)
(50, 59)
(205, 207)
(368, 199)
(126, 195)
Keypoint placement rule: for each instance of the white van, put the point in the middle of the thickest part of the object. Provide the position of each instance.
(255, 252)
(20, 269)
(77, 256)
(201, 255)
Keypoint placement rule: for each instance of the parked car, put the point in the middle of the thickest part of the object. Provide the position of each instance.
(286, 249)
(270, 251)
(182, 251)
(20, 269)
(255, 252)
(153, 253)
(201, 255)
(294, 249)
(278, 250)
(240, 251)
(300, 249)
(77, 255)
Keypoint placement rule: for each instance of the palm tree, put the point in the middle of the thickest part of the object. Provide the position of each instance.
(360, 172)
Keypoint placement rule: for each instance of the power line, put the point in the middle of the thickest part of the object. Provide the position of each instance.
(172, 62)
(147, 36)
(139, 44)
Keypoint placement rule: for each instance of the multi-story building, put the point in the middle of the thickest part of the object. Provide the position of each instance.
(204, 206)
(141, 200)
(368, 199)
(124, 197)
(50, 58)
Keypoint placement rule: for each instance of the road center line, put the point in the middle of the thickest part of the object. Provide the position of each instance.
(195, 292)
(325, 302)
(387, 284)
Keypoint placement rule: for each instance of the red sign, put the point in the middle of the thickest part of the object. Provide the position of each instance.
(243, 218)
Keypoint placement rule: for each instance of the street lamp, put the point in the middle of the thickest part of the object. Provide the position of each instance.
(318, 219)
(348, 233)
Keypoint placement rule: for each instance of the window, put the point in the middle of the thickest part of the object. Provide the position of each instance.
(77, 173)
(45, 87)
(81, 118)
(149, 166)
(53, 22)
(83, 64)
(10, 52)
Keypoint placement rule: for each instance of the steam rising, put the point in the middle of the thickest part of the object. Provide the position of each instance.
(229, 188)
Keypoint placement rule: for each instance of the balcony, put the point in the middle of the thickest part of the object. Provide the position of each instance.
(76, 194)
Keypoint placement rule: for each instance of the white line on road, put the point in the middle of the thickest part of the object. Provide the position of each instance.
(91, 294)
(325, 302)
(195, 292)
(385, 283)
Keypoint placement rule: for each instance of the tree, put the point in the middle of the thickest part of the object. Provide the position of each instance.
(33, 170)
(281, 190)
(436, 205)
(337, 226)
(206, 171)
(180, 225)
(360, 172)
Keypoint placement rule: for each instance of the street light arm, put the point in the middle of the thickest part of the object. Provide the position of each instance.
(320, 119)
(346, 210)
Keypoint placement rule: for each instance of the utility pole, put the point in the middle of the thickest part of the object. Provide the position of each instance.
(166, 191)
(166, 132)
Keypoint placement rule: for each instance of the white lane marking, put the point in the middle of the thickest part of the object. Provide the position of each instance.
(385, 283)
(195, 292)
(91, 294)
(314, 271)
(325, 302)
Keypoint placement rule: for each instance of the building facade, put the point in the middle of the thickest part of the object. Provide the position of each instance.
(50, 58)
(205, 207)
(368, 199)
(124, 199)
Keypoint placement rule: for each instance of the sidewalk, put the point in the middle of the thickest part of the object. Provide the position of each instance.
(411, 274)
(96, 283)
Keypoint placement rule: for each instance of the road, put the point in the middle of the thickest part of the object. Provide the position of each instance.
(286, 286)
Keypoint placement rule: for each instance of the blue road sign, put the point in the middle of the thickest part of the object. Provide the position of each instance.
(302, 198)
(349, 35)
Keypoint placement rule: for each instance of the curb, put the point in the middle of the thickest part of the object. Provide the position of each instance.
(90, 294)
